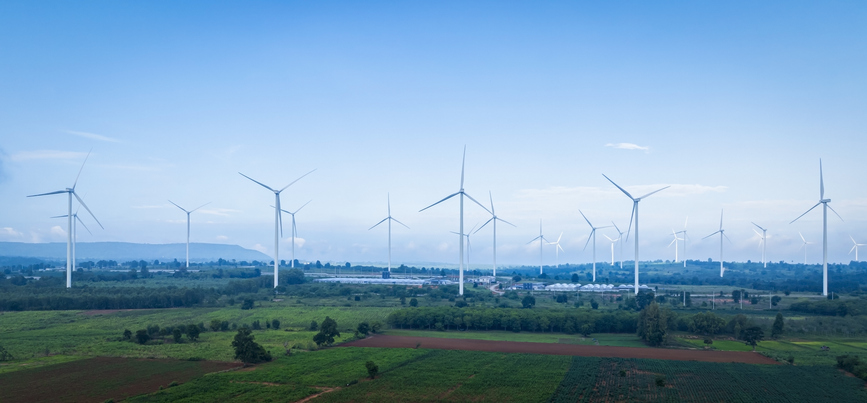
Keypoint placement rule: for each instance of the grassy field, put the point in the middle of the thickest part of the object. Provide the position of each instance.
(802, 352)
(604, 339)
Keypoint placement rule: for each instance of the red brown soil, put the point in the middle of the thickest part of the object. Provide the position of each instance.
(100, 378)
(560, 349)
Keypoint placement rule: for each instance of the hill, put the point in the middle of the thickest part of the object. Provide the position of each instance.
(124, 251)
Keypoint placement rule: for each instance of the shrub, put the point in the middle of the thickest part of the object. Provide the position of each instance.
(142, 336)
(372, 369)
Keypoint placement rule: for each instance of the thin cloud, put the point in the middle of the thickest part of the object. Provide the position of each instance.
(223, 212)
(627, 146)
(93, 136)
(152, 206)
(47, 155)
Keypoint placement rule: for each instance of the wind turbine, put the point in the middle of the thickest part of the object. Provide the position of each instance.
(804, 246)
(462, 193)
(619, 238)
(855, 247)
(188, 226)
(295, 230)
(278, 219)
(592, 235)
(632, 215)
(613, 241)
(674, 241)
(685, 237)
(722, 234)
(494, 220)
(389, 219)
(763, 241)
(76, 220)
(824, 202)
(557, 248)
(71, 192)
(469, 246)
(542, 240)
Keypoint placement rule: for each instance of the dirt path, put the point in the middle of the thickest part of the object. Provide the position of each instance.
(323, 390)
(560, 349)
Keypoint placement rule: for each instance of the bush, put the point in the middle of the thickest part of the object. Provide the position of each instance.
(5, 355)
(363, 329)
(142, 336)
(413, 302)
(313, 326)
(372, 369)
(127, 334)
(660, 381)
(275, 324)
(248, 304)
(247, 350)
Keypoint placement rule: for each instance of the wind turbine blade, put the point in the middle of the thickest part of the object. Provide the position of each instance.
(672, 242)
(618, 229)
(260, 183)
(49, 193)
(802, 237)
(710, 235)
(585, 218)
(655, 191)
(559, 237)
(727, 238)
(606, 236)
(446, 198)
(81, 169)
(88, 210)
(850, 236)
(492, 202)
(374, 226)
(60, 216)
(835, 212)
(685, 222)
(757, 225)
(483, 225)
(463, 164)
(200, 207)
(388, 195)
(607, 226)
(534, 239)
(302, 206)
(720, 218)
(82, 224)
(821, 182)
(294, 228)
(588, 240)
(757, 233)
(618, 186)
(629, 228)
(176, 205)
(395, 220)
(560, 247)
(296, 180)
(853, 248)
(280, 215)
(502, 220)
(480, 204)
(805, 213)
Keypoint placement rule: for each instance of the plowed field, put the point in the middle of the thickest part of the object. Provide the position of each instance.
(560, 349)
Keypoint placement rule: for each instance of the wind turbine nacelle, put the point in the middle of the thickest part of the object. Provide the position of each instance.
(825, 201)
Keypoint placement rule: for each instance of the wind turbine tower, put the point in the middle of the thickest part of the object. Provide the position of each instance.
(469, 246)
(278, 220)
(613, 241)
(763, 241)
(804, 246)
(542, 240)
(634, 215)
(855, 247)
(462, 193)
(294, 230)
(685, 237)
(69, 230)
(674, 242)
(722, 234)
(593, 236)
(824, 202)
(188, 226)
(557, 248)
(75, 220)
(494, 220)
(389, 218)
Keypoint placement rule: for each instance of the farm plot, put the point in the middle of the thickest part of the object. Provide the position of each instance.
(100, 378)
(618, 380)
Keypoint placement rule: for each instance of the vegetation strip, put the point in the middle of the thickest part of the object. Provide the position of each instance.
(559, 349)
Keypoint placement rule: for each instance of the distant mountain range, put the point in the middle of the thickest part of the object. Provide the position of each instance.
(124, 251)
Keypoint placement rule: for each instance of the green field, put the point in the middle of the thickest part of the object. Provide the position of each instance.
(604, 339)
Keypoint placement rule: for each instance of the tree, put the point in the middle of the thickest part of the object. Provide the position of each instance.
(707, 342)
(413, 302)
(363, 329)
(753, 335)
(516, 278)
(706, 323)
(294, 276)
(652, 324)
(776, 300)
(528, 302)
(5, 355)
(176, 334)
(736, 296)
(327, 332)
(575, 278)
(402, 300)
(215, 325)
(586, 330)
(142, 336)
(248, 304)
(247, 350)
(372, 369)
(644, 299)
(127, 335)
(594, 304)
(313, 326)
(275, 324)
(193, 332)
(777, 328)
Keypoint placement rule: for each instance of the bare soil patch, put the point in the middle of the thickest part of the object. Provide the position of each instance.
(100, 378)
(389, 341)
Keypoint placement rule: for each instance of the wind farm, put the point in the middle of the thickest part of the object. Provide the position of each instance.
(633, 125)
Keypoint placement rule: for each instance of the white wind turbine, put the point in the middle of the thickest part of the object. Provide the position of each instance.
(634, 215)
(462, 193)
(685, 237)
(542, 240)
(77, 219)
(294, 230)
(824, 202)
(389, 219)
(557, 248)
(855, 247)
(69, 230)
(804, 246)
(674, 241)
(722, 234)
(613, 241)
(494, 220)
(278, 220)
(763, 242)
(469, 246)
(620, 239)
(188, 226)
(593, 236)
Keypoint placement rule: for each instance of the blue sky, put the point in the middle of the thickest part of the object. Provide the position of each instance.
(731, 103)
